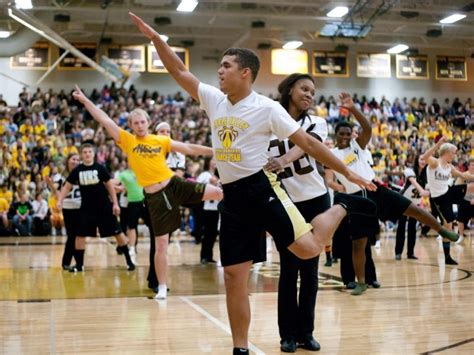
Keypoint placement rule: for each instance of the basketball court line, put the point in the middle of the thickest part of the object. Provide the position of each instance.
(448, 347)
(217, 322)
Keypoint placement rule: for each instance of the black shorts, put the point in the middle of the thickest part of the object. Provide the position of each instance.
(311, 208)
(164, 205)
(465, 211)
(101, 218)
(71, 221)
(444, 204)
(135, 211)
(390, 204)
(252, 206)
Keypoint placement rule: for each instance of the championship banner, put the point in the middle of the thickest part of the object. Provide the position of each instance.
(330, 64)
(155, 65)
(451, 68)
(71, 62)
(412, 67)
(128, 58)
(373, 65)
(36, 58)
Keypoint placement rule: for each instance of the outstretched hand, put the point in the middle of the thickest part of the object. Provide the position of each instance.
(144, 28)
(363, 183)
(79, 95)
(346, 100)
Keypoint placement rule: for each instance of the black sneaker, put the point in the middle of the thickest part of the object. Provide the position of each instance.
(131, 267)
(76, 268)
(351, 285)
(398, 256)
(328, 263)
(412, 257)
(310, 344)
(450, 261)
(66, 267)
(356, 205)
(376, 284)
(288, 345)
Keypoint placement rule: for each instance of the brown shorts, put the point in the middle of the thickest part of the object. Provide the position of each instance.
(164, 204)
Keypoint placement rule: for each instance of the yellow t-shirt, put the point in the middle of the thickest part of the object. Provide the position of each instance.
(147, 156)
(3, 205)
(7, 195)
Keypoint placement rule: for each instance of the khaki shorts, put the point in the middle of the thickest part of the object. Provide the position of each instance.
(164, 204)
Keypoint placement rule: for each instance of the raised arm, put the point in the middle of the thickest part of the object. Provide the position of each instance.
(322, 154)
(170, 60)
(462, 175)
(99, 115)
(366, 134)
(428, 155)
(191, 149)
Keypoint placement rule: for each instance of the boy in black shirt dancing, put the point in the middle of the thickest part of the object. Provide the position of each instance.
(97, 211)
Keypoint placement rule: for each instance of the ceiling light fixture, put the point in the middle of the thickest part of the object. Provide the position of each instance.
(23, 4)
(292, 44)
(338, 11)
(453, 18)
(397, 49)
(187, 5)
(4, 34)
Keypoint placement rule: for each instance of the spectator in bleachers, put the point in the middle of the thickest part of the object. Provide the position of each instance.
(22, 220)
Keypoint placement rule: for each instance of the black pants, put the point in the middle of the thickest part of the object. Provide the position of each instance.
(71, 221)
(151, 278)
(197, 231)
(210, 220)
(344, 251)
(296, 312)
(293, 310)
(400, 241)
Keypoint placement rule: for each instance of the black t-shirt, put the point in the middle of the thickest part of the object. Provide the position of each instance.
(90, 180)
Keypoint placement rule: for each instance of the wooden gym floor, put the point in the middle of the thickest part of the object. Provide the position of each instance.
(423, 306)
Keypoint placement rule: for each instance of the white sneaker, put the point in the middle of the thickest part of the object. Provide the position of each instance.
(162, 293)
(132, 251)
(377, 244)
(460, 240)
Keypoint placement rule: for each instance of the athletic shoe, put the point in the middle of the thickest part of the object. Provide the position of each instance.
(375, 284)
(288, 346)
(377, 244)
(66, 267)
(360, 289)
(310, 344)
(351, 285)
(355, 205)
(131, 267)
(450, 261)
(328, 263)
(162, 293)
(119, 250)
(398, 257)
(413, 257)
(76, 268)
(460, 240)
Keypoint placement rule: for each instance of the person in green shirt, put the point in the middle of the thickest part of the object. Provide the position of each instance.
(135, 207)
